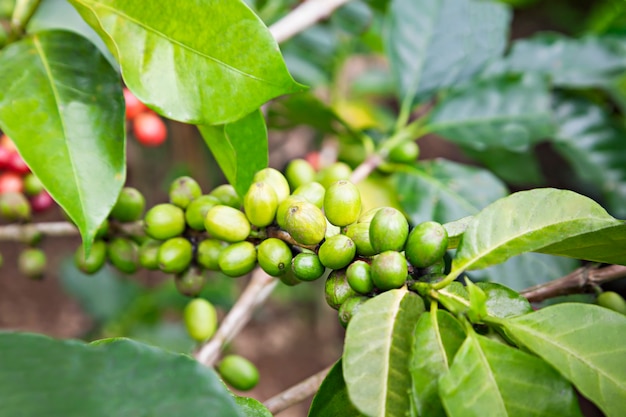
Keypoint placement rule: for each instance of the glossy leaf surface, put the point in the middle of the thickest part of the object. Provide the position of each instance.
(332, 397)
(252, 408)
(502, 301)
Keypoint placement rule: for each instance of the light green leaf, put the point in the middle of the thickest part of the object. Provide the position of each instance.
(503, 302)
(115, 377)
(63, 107)
(506, 112)
(240, 148)
(585, 343)
(437, 339)
(196, 61)
(445, 191)
(332, 397)
(456, 229)
(252, 408)
(377, 351)
(552, 221)
(489, 378)
(478, 302)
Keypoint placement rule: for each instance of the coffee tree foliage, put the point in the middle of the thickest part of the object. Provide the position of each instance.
(447, 347)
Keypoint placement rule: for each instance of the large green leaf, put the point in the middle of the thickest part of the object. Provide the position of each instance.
(434, 44)
(445, 191)
(488, 378)
(240, 148)
(62, 105)
(332, 397)
(504, 112)
(194, 61)
(585, 343)
(437, 339)
(40, 376)
(377, 351)
(515, 168)
(536, 220)
(252, 408)
(595, 147)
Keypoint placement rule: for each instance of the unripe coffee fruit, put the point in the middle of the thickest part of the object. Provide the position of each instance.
(260, 204)
(337, 290)
(227, 194)
(307, 266)
(281, 211)
(404, 153)
(238, 259)
(208, 253)
(227, 224)
(299, 172)
(238, 372)
(274, 257)
(350, 308)
(359, 277)
(369, 215)
(123, 254)
(342, 203)
(289, 278)
(191, 281)
(149, 254)
(96, 259)
(427, 243)
(129, 206)
(32, 263)
(305, 222)
(613, 301)
(200, 319)
(183, 191)
(14, 206)
(389, 270)
(175, 255)
(333, 173)
(196, 211)
(337, 252)
(32, 185)
(164, 221)
(313, 192)
(276, 180)
(360, 235)
(389, 230)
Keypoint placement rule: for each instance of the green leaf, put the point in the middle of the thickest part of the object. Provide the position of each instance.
(188, 65)
(445, 191)
(503, 302)
(595, 147)
(63, 107)
(533, 221)
(585, 343)
(434, 44)
(377, 351)
(251, 407)
(115, 377)
(240, 148)
(504, 112)
(515, 168)
(478, 302)
(437, 339)
(489, 378)
(455, 230)
(332, 397)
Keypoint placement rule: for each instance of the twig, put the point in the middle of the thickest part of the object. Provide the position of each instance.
(17, 232)
(580, 280)
(258, 290)
(365, 169)
(303, 17)
(296, 393)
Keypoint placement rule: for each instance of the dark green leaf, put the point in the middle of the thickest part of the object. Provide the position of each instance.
(332, 397)
(188, 65)
(585, 343)
(503, 302)
(437, 339)
(504, 112)
(173, 337)
(515, 168)
(240, 148)
(115, 377)
(62, 105)
(445, 191)
(434, 44)
(489, 378)
(377, 351)
(252, 408)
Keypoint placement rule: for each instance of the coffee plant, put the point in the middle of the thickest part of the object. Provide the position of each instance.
(439, 273)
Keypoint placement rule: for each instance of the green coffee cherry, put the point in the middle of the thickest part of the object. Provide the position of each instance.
(175, 255)
(613, 301)
(14, 206)
(432, 273)
(208, 253)
(359, 277)
(196, 211)
(260, 204)
(289, 278)
(274, 257)
(129, 206)
(164, 221)
(427, 243)
(305, 222)
(307, 266)
(333, 173)
(349, 308)
(149, 254)
(32, 185)
(389, 230)
(190, 282)
(238, 372)
(276, 180)
(96, 259)
(183, 191)
(337, 289)
(281, 211)
(299, 172)
(30, 234)
(227, 194)
(200, 319)
(227, 224)
(360, 235)
(32, 263)
(342, 203)
(404, 153)
(103, 230)
(237, 259)
(369, 215)
(123, 254)
(389, 270)
(313, 192)
(337, 252)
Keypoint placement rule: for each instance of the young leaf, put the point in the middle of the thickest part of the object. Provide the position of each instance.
(505, 112)
(437, 339)
(532, 221)
(240, 148)
(195, 62)
(377, 351)
(488, 378)
(585, 343)
(63, 107)
(434, 44)
(332, 397)
(445, 191)
(478, 302)
(252, 408)
(46, 377)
